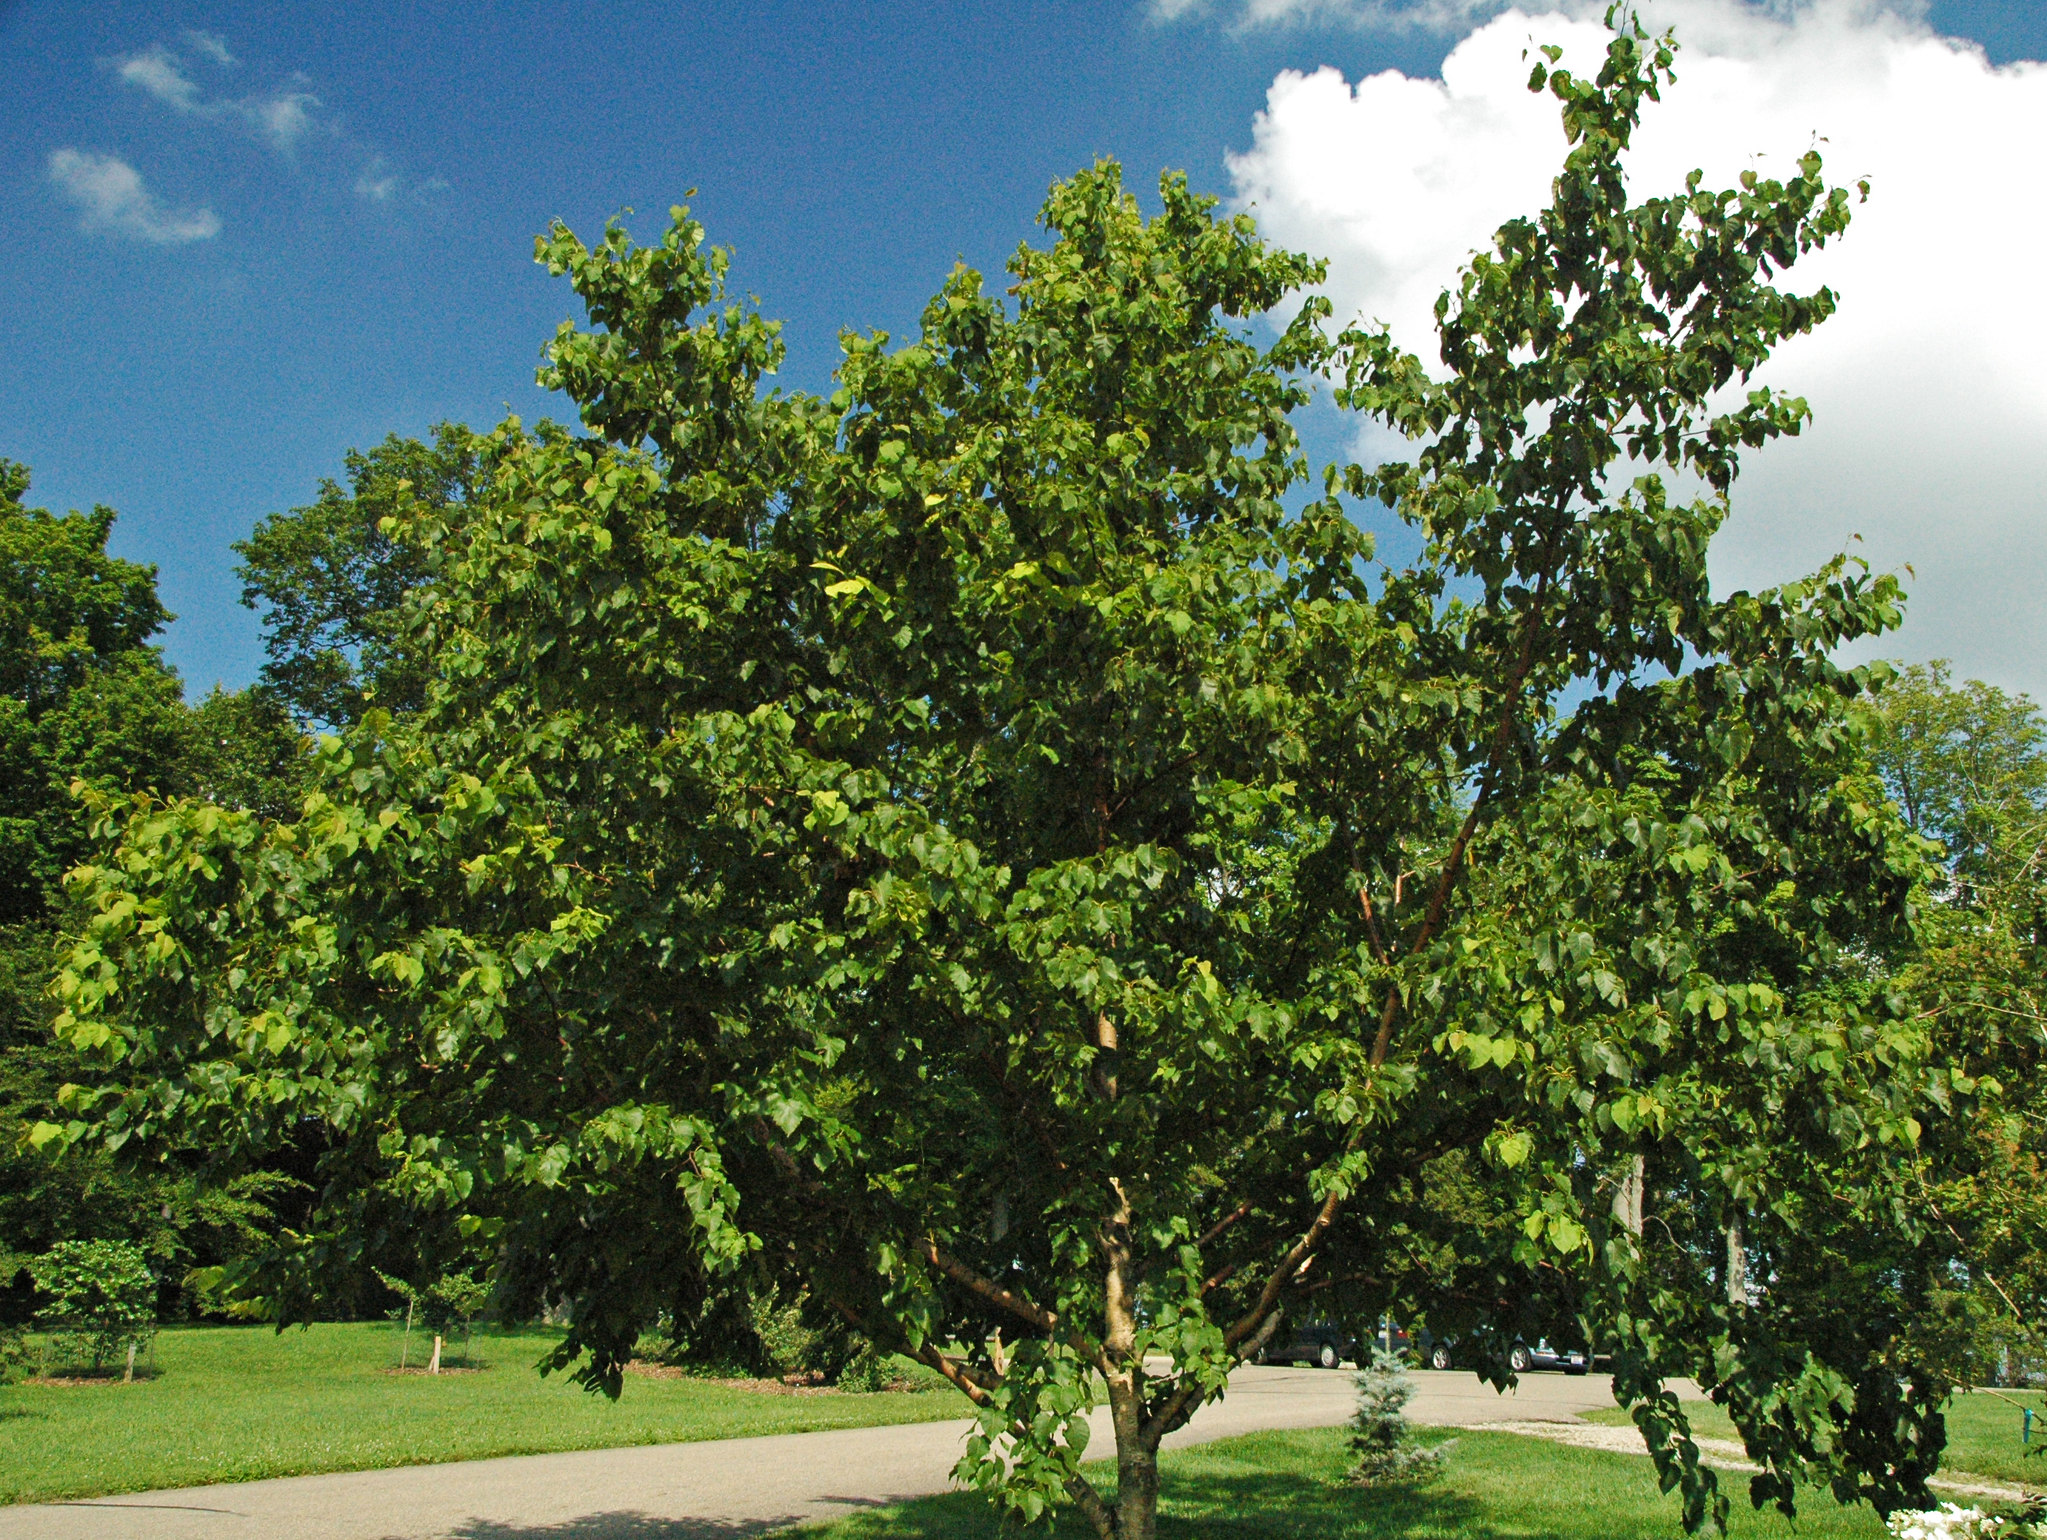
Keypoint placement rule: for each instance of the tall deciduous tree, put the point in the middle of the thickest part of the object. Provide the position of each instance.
(987, 841)
(331, 581)
(1967, 763)
(82, 693)
(1968, 766)
(85, 696)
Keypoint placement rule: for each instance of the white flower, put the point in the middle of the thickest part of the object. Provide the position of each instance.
(1947, 1522)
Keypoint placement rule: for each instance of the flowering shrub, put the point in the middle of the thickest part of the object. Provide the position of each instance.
(1948, 1522)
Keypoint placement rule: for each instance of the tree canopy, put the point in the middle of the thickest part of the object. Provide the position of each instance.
(331, 582)
(992, 841)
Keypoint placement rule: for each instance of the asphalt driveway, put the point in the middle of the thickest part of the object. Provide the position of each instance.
(711, 1490)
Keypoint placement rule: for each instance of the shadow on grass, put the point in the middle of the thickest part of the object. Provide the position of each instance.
(1248, 1505)
(1283, 1506)
(1245, 1506)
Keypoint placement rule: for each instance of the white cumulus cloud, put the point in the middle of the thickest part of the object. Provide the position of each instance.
(159, 72)
(1366, 15)
(376, 181)
(1928, 388)
(283, 116)
(110, 196)
(213, 46)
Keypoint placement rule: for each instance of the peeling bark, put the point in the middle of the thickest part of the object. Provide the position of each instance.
(1627, 1198)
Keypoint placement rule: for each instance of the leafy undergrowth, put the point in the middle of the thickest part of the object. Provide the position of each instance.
(1286, 1486)
(1985, 1435)
(241, 1403)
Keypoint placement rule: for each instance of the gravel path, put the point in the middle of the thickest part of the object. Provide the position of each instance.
(1721, 1453)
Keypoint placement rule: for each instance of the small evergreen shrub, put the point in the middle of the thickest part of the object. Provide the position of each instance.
(1381, 1438)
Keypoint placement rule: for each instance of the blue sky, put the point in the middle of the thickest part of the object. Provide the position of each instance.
(327, 232)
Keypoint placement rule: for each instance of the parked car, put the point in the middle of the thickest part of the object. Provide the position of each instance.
(1316, 1341)
(1441, 1353)
(1310, 1342)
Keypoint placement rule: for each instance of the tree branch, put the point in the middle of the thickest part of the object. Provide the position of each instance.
(1215, 1230)
(1173, 1412)
(1331, 1282)
(1046, 1321)
(955, 1372)
(1453, 864)
(1089, 1502)
(1217, 1280)
(1181, 1403)
(1371, 924)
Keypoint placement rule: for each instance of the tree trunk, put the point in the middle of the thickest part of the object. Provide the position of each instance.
(1737, 1264)
(128, 1374)
(1137, 1489)
(1135, 1514)
(405, 1346)
(434, 1363)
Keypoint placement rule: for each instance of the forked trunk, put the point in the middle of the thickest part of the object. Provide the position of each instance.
(1135, 1513)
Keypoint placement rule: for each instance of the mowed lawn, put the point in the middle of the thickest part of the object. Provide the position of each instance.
(1985, 1436)
(239, 1403)
(1287, 1486)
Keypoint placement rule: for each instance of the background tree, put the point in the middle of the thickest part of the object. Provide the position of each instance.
(86, 697)
(243, 750)
(82, 693)
(99, 1297)
(331, 581)
(1968, 765)
(967, 842)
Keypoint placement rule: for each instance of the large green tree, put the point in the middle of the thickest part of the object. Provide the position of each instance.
(991, 842)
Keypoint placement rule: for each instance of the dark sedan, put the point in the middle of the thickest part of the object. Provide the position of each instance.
(1442, 1353)
(1310, 1342)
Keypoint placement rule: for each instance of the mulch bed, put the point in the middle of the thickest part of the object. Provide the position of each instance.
(811, 1384)
(788, 1385)
(59, 1381)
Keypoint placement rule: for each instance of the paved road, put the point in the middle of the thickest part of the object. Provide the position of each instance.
(712, 1490)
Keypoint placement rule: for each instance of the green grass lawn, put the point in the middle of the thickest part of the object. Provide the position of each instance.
(1985, 1436)
(239, 1403)
(1282, 1486)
